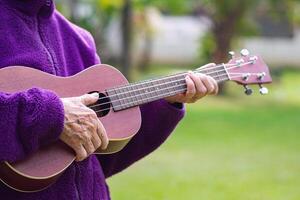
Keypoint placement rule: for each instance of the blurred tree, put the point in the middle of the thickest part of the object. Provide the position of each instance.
(231, 19)
(144, 27)
(126, 25)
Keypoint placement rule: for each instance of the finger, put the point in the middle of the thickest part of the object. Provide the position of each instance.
(190, 90)
(96, 140)
(180, 98)
(92, 128)
(216, 86)
(200, 87)
(81, 153)
(102, 134)
(89, 147)
(89, 99)
(207, 83)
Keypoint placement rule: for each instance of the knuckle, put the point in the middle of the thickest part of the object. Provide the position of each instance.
(89, 147)
(78, 137)
(90, 150)
(205, 78)
(97, 144)
(203, 90)
(88, 136)
(92, 115)
(81, 155)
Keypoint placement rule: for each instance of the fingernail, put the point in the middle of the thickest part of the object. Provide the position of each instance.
(96, 95)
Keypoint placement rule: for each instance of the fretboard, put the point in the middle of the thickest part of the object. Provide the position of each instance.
(151, 90)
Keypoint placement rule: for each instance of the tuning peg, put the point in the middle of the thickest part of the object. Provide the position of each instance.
(248, 91)
(261, 76)
(245, 52)
(231, 54)
(263, 90)
(246, 76)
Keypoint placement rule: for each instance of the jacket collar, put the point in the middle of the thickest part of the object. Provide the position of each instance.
(43, 8)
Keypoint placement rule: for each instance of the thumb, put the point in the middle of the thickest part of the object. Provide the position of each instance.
(88, 99)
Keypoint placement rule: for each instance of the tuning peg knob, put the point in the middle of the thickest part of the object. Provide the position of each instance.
(248, 91)
(263, 90)
(231, 54)
(245, 52)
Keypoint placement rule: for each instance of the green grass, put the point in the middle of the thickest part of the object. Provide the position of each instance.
(226, 148)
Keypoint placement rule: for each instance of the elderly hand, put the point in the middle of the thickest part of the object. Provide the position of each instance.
(198, 86)
(83, 131)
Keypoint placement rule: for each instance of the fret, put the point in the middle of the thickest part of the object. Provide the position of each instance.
(160, 87)
(173, 85)
(157, 87)
(147, 90)
(134, 94)
(154, 90)
(182, 84)
(127, 95)
(217, 74)
(169, 87)
(226, 73)
(122, 97)
(140, 91)
(114, 99)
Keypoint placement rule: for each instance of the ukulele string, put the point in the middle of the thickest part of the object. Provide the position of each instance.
(162, 84)
(174, 76)
(147, 98)
(198, 70)
(96, 105)
(158, 96)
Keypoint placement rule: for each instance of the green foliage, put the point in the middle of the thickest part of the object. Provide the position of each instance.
(226, 148)
(219, 11)
(208, 46)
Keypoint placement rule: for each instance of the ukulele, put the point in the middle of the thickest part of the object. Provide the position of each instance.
(117, 108)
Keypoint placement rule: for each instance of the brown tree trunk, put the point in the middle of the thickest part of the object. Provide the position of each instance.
(146, 53)
(223, 32)
(126, 27)
(73, 5)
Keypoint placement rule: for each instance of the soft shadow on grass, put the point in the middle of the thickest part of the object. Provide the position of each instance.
(228, 148)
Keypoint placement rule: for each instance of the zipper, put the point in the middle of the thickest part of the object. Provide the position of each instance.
(43, 41)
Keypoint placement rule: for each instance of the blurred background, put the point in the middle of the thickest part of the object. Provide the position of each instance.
(229, 147)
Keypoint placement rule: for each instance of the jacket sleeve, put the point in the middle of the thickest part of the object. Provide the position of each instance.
(159, 119)
(28, 120)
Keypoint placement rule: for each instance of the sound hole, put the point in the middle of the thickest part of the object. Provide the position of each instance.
(102, 106)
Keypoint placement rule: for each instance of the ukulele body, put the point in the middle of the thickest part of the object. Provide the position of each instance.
(44, 167)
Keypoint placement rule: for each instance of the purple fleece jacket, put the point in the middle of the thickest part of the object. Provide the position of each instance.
(34, 34)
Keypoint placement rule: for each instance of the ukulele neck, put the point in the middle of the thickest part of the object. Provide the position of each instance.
(136, 94)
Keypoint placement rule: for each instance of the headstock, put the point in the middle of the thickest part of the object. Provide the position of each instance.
(248, 70)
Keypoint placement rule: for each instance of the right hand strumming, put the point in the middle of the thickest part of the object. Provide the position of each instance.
(83, 131)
